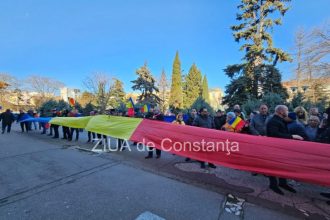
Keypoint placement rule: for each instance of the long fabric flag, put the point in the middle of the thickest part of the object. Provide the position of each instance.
(40, 119)
(299, 160)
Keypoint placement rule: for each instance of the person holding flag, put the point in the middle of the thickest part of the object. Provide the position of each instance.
(130, 108)
(234, 123)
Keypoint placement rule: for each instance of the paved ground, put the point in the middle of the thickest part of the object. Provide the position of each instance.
(43, 178)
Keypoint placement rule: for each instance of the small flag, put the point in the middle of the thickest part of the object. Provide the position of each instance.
(130, 107)
(72, 102)
(237, 123)
(145, 108)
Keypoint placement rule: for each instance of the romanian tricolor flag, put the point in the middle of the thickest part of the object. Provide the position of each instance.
(130, 107)
(237, 123)
(304, 160)
(145, 108)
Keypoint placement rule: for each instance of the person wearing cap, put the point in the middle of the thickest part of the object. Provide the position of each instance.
(238, 111)
(294, 126)
(227, 126)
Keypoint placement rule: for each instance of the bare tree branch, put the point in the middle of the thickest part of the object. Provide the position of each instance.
(99, 84)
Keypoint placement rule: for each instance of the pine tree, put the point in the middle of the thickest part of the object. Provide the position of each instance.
(184, 92)
(47, 107)
(205, 90)
(146, 84)
(257, 18)
(176, 96)
(271, 81)
(193, 86)
(163, 91)
(117, 93)
(200, 103)
(88, 108)
(297, 100)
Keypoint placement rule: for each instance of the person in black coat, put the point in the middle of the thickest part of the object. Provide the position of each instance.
(21, 116)
(295, 127)
(154, 115)
(192, 116)
(219, 119)
(190, 121)
(277, 127)
(56, 127)
(7, 119)
(324, 136)
(65, 129)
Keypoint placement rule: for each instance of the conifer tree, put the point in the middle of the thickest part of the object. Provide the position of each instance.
(146, 84)
(176, 96)
(205, 90)
(257, 18)
(163, 91)
(117, 93)
(193, 85)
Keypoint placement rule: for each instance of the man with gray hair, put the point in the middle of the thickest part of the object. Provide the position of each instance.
(277, 127)
(258, 122)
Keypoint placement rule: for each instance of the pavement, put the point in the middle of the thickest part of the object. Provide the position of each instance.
(45, 178)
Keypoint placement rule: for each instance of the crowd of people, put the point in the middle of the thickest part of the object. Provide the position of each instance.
(299, 124)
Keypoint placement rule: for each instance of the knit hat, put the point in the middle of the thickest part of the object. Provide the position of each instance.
(293, 116)
(232, 114)
(237, 110)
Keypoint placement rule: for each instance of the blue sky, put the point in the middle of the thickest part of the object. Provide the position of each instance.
(69, 40)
